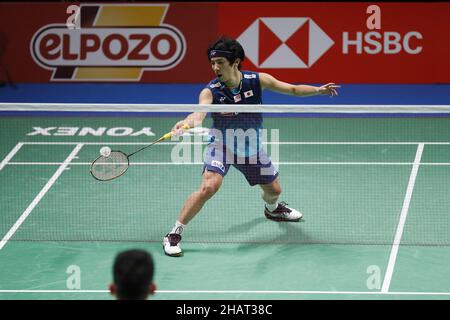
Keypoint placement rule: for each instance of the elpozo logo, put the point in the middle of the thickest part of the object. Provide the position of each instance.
(114, 43)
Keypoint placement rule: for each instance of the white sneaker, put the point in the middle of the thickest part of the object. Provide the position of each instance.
(283, 213)
(171, 245)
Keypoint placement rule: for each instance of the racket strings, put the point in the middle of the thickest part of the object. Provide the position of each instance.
(108, 168)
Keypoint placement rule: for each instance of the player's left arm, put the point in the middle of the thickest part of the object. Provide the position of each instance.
(271, 83)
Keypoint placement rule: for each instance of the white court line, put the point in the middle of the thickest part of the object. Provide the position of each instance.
(243, 292)
(10, 155)
(401, 222)
(36, 163)
(89, 163)
(12, 163)
(38, 198)
(200, 163)
(275, 143)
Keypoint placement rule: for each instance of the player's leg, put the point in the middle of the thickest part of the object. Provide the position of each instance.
(211, 182)
(214, 170)
(260, 171)
(274, 210)
(271, 193)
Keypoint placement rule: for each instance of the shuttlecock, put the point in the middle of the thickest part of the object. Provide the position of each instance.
(105, 151)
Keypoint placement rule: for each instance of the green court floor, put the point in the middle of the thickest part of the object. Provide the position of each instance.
(374, 193)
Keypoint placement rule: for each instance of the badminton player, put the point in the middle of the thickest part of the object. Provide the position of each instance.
(233, 86)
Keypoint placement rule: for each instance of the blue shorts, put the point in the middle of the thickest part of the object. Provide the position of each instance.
(257, 169)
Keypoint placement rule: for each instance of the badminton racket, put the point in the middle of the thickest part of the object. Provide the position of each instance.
(114, 163)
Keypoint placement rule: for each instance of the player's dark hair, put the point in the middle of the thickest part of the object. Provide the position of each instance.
(231, 45)
(133, 274)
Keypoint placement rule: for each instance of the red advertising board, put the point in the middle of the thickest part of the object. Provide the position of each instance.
(155, 43)
(166, 42)
(343, 42)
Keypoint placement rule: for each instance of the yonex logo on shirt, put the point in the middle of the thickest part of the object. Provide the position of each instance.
(218, 164)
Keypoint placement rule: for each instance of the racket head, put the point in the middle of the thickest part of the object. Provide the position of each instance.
(111, 167)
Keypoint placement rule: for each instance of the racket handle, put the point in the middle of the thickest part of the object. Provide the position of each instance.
(166, 136)
(170, 134)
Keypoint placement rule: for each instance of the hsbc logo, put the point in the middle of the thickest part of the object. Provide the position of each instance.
(284, 42)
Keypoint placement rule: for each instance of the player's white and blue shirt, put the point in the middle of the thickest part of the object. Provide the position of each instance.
(248, 92)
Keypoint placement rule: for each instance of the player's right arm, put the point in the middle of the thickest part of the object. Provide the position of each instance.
(195, 119)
